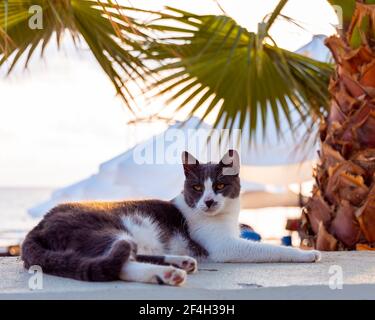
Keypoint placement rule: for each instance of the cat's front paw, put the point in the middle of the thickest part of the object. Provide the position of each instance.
(312, 256)
(172, 276)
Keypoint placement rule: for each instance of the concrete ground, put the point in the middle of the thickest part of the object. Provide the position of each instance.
(215, 281)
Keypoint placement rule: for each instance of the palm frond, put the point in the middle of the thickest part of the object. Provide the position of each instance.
(112, 35)
(215, 60)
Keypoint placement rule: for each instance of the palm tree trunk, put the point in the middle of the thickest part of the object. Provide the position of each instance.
(340, 214)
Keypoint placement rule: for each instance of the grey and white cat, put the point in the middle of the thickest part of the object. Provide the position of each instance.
(153, 241)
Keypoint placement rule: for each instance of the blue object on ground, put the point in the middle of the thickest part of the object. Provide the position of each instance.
(250, 235)
(286, 241)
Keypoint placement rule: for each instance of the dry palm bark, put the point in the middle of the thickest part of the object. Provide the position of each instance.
(341, 212)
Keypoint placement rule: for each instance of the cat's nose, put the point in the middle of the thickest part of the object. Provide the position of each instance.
(209, 203)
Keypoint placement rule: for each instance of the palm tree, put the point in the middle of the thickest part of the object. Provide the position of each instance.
(340, 215)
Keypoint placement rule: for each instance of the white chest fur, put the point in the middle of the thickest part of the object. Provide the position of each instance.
(212, 231)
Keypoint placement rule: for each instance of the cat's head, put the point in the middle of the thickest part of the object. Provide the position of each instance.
(210, 187)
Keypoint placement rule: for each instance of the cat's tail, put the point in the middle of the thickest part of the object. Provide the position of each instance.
(69, 264)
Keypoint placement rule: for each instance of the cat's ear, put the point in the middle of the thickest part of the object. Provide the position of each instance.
(230, 163)
(189, 163)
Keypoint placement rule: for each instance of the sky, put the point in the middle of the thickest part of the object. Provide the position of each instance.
(60, 119)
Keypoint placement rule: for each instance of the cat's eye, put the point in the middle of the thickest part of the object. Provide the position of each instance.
(220, 186)
(197, 187)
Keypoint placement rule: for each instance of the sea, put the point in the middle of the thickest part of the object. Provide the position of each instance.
(14, 219)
